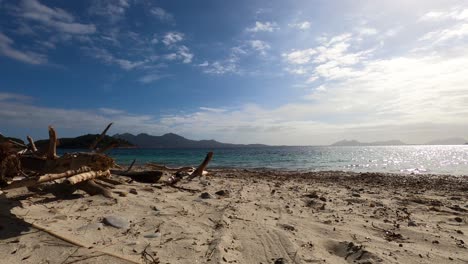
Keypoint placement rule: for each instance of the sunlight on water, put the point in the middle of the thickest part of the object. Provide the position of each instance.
(405, 159)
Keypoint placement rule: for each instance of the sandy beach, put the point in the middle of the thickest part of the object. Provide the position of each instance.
(244, 216)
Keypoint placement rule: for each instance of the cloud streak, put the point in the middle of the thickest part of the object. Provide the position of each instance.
(55, 18)
(6, 49)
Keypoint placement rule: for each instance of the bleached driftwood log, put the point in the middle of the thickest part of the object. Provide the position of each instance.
(46, 178)
(31, 142)
(52, 151)
(86, 176)
(200, 170)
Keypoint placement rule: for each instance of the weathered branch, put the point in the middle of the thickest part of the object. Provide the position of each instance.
(151, 176)
(93, 188)
(86, 176)
(203, 165)
(17, 143)
(31, 142)
(46, 178)
(52, 151)
(131, 165)
(98, 139)
(162, 167)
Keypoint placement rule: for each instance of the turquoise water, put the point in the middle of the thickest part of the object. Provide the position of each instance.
(406, 159)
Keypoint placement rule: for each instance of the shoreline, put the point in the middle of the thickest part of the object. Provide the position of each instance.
(249, 216)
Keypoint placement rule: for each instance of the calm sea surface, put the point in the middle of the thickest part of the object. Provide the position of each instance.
(406, 159)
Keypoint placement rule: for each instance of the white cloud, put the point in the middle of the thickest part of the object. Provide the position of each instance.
(109, 58)
(7, 50)
(458, 31)
(211, 109)
(301, 25)
(367, 31)
(172, 38)
(260, 46)
(300, 56)
(55, 18)
(454, 14)
(111, 111)
(112, 10)
(162, 14)
(263, 27)
(183, 53)
(221, 67)
(204, 64)
(152, 77)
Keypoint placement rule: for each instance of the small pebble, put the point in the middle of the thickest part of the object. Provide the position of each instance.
(117, 222)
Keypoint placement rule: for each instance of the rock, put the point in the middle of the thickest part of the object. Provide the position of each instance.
(288, 227)
(412, 223)
(222, 192)
(117, 222)
(458, 219)
(206, 195)
(323, 199)
(280, 261)
(133, 191)
(355, 195)
(152, 235)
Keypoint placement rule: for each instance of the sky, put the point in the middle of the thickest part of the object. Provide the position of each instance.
(307, 72)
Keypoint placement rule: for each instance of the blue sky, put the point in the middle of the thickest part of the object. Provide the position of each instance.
(275, 72)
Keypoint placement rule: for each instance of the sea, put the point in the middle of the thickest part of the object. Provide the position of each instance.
(411, 159)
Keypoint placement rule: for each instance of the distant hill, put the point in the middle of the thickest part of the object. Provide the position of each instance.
(448, 141)
(4, 139)
(172, 140)
(376, 143)
(83, 142)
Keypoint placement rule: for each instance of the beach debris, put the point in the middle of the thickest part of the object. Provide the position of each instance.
(116, 221)
(146, 176)
(389, 235)
(149, 258)
(206, 195)
(199, 171)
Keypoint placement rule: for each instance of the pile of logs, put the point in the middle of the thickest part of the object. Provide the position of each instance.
(88, 171)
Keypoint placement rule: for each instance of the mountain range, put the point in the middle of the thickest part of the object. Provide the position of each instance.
(172, 140)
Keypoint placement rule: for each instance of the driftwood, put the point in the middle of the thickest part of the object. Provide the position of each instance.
(131, 165)
(69, 161)
(86, 176)
(32, 145)
(46, 178)
(148, 176)
(93, 188)
(165, 168)
(98, 139)
(199, 171)
(52, 151)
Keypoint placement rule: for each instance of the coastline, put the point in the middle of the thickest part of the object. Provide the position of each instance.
(261, 216)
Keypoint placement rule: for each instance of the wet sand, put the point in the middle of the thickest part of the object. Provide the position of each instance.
(245, 216)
